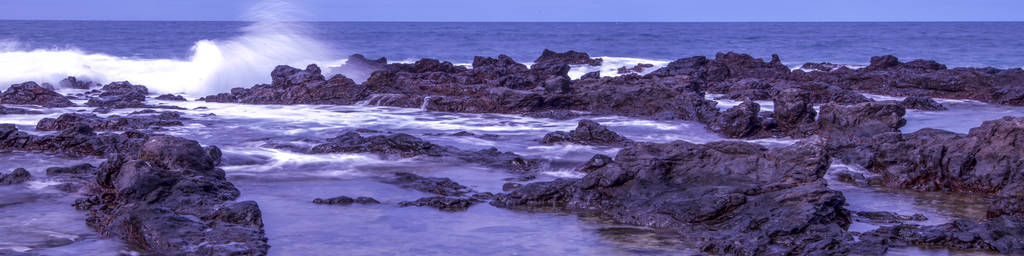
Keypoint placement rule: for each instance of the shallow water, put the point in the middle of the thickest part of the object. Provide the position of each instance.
(263, 147)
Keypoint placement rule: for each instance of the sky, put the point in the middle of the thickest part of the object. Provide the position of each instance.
(522, 10)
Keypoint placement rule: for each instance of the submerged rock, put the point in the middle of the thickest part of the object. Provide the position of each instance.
(80, 169)
(16, 176)
(448, 204)
(17, 111)
(439, 186)
(404, 145)
(1002, 234)
(889, 217)
(171, 97)
(344, 200)
(30, 93)
(588, 133)
(729, 197)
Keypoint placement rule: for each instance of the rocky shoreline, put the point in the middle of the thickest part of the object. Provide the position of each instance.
(165, 194)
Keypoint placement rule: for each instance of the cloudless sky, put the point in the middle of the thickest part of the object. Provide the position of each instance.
(524, 10)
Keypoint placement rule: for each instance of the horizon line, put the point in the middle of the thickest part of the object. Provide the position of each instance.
(525, 21)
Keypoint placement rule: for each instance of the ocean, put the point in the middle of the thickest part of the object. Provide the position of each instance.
(202, 58)
(209, 57)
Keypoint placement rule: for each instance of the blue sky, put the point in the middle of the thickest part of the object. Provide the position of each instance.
(526, 10)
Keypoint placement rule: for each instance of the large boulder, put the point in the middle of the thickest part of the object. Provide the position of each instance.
(16, 176)
(741, 121)
(728, 197)
(296, 86)
(30, 93)
(170, 199)
(1004, 235)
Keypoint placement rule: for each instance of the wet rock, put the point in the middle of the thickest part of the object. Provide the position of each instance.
(1002, 234)
(510, 186)
(638, 68)
(889, 217)
(715, 194)
(296, 86)
(588, 133)
(595, 163)
(794, 113)
(74, 83)
(169, 199)
(344, 200)
(591, 75)
(554, 114)
(448, 204)
(16, 176)
(120, 95)
(860, 120)
(405, 146)
(822, 66)
(111, 123)
(79, 140)
(17, 111)
(741, 121)
(568, 58)
(439, 186)
(80, 169)
(30, 93)
(171, 97)
(922, 103)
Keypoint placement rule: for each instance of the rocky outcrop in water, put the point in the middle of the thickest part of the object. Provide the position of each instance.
(438, 186)
(405, 146)
(171, 97)
(296, 86)
(741, 121)
(170, 199)
(78, 140)
(120, 95)
(30, 93)
(728, 197)
(17, 176)
(344, 200)
(922, 103)
(566, 58)
(638, 68)
(1002, 234)
(74, 83)
(111, 123)
(588, 133)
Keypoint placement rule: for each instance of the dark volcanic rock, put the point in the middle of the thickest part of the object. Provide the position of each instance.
(171, 200)
(638, 68)
(17, 111)
(120, 95)
(568, 58)
(922, 103)
(889, 217)
(72, 82)
(111, 123)
(729, 197)
(17, 176)
(30, 93)
(588, 133)
(78, 140)
(1002, 234)
(741, 121)
(439, 186)
(448, 204)
(404, 145)
(296, 86)
(794, 113)
(344, 200)
(822, 66)
(171, 97)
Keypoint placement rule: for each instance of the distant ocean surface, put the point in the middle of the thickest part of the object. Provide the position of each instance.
(206, 57)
